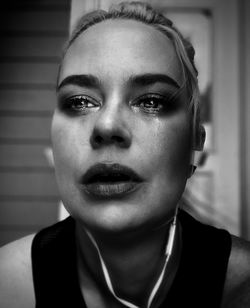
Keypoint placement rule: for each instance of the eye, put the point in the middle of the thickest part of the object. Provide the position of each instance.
(80, 104)
(152, 103)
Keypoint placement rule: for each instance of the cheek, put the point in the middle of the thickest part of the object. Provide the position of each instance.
(170, 161)
(61, 142)
(66, 141)
(167, 146)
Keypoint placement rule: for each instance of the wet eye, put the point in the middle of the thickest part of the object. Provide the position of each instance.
(152, 104)
(80, 104)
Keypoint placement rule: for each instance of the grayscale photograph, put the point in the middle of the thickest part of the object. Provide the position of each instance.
(125, 154)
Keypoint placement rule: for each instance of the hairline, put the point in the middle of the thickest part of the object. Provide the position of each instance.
(189, 71)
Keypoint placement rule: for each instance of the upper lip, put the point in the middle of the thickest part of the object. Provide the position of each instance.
(102, 172)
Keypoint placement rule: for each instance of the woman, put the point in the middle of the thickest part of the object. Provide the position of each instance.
(123, 133)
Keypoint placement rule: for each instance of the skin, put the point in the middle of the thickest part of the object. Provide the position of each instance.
(156, 145)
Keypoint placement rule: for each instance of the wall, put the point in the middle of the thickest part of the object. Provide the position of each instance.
(244, 45)
(32, 34)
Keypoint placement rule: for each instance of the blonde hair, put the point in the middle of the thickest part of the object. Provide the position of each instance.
(143, 12)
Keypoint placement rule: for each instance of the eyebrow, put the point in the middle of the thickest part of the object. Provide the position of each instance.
(81, 81)
(92, 81)
(150, 79)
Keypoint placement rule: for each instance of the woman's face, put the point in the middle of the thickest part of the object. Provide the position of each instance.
(121, 145)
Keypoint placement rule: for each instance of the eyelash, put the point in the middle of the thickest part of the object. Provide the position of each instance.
(158, 103)
(80, 104)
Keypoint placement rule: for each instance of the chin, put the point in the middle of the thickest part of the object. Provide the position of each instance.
(113, 218)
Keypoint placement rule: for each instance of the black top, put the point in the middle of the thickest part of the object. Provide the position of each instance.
(198, 283)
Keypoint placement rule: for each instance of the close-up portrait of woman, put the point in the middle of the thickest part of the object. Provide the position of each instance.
(125, 135)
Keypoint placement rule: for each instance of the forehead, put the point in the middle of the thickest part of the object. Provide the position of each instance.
(120, 48)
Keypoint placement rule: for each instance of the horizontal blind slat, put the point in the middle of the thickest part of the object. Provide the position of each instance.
(25, 127)
(28, 73)
(31, 46)
(18, 213)
(27, 100)
(23, 156)
(31, 184)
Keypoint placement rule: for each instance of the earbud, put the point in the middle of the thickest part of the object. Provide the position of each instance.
(196, 154)
(192, 167)
(196, 158)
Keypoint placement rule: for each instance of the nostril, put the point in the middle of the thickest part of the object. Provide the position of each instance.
(105, 137)
(98, 139)
(117, 139)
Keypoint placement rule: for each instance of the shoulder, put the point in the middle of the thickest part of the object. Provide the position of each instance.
(237, 284)
(16, 282)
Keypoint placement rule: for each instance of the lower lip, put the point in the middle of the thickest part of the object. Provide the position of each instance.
(110, 190)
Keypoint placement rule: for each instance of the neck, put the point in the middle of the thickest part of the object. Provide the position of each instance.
(134, 261)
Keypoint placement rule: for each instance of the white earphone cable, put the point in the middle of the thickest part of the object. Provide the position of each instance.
(168, 252)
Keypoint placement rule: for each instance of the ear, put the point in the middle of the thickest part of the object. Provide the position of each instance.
(200, 137)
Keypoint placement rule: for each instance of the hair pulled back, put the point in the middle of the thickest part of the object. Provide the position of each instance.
(143, 12)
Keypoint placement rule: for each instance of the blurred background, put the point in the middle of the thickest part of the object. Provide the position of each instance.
(32, 35)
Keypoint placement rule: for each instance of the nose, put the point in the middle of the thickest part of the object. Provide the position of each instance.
(111, 128)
